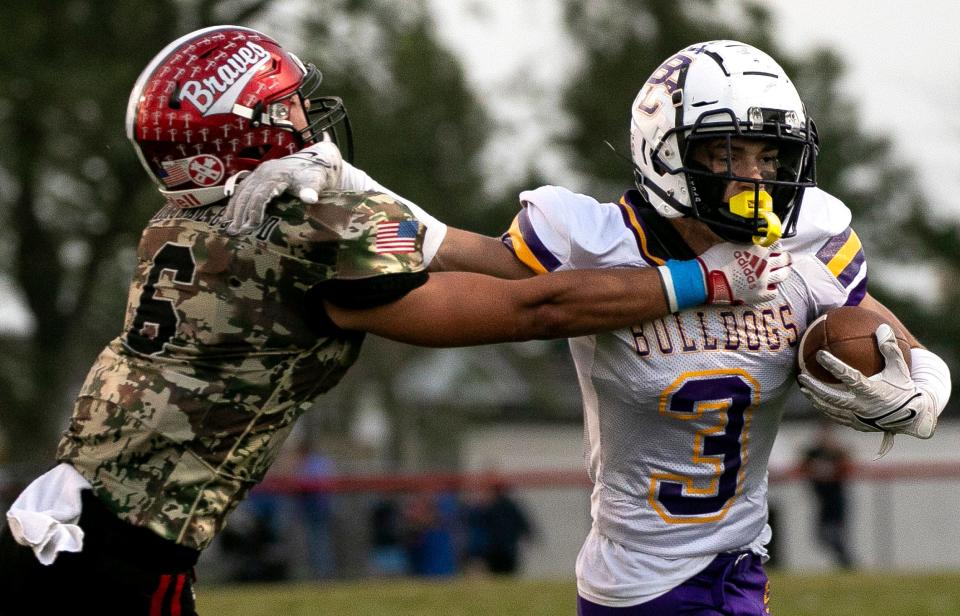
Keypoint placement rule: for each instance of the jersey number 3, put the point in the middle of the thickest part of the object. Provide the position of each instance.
(729, 396)
(156, 319)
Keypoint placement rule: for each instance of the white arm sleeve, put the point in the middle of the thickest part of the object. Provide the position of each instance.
(357, 180)
(931, 375)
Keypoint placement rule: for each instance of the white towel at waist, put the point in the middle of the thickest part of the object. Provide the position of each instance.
(44, 517)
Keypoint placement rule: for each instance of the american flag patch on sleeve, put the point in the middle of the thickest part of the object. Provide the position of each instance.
(396, 237)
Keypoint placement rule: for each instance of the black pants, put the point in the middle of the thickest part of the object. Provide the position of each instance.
(122, 569)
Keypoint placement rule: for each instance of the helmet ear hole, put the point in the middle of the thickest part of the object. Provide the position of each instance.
(659, 167)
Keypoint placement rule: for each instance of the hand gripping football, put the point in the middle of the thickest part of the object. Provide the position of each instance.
(848, 333)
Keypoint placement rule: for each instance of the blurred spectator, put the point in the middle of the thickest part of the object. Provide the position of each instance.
(507, 526)
(828, 466)
(477, 538)
(450, 509)
(315, 510)
(497, 525)
(389, 556)
(250, 537)
(429, 539)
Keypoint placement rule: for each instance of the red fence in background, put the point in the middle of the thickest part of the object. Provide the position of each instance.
(429, 482)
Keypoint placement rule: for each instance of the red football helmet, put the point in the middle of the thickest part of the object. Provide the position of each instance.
(216, 102)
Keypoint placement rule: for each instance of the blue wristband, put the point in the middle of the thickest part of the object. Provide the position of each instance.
(683, 284)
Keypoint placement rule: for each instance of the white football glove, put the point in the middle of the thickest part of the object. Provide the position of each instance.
(725, 274)
(738, 274)
(306, 173)
(890, 402)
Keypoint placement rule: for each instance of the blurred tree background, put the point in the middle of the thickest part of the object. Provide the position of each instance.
(73, 197)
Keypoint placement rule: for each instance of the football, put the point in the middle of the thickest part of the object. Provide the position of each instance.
(848, 333)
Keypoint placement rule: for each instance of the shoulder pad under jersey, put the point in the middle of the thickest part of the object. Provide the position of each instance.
(558, 229)
(822, 216)
(376, 233)
(827, 252)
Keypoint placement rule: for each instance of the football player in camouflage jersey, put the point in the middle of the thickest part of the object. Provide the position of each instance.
(681, 412)
(229, 338)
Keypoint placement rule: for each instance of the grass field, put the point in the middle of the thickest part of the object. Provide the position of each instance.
(835, 594)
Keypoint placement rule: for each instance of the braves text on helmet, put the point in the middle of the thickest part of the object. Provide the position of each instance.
(216, 102)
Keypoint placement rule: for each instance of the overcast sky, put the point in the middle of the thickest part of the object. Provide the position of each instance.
(903, 71)
(903, 64)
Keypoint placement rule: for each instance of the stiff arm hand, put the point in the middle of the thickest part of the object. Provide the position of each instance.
(725, 274)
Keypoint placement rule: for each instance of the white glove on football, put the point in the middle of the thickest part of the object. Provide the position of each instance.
(306, 173)
(890, 402)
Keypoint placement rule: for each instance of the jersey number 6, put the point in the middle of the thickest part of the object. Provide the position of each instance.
(156, 319)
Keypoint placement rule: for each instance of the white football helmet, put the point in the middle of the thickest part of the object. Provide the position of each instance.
(722, 89)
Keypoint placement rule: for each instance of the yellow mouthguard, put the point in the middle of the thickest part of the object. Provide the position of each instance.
(742, 204)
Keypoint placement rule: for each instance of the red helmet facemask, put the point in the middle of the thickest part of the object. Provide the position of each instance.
(216, 102)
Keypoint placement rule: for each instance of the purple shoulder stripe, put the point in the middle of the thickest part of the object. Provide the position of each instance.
(542, 254)
(852, 269)
(638, 229)
(857, 294)
(833, 245)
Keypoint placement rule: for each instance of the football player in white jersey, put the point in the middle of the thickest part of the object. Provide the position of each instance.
(681, 412)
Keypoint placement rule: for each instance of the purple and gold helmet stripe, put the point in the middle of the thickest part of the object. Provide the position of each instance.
(523, 241)
(639, 232)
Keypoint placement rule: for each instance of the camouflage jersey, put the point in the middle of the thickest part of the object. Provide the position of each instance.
(225, 344)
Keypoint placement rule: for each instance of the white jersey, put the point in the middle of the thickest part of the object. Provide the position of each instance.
(681, 413)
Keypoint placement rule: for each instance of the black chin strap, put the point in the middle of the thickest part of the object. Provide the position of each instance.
(663, 239)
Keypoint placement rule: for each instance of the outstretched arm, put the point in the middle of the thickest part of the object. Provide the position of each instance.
(460, 309)
(560, 305)
(465, 251)
(463, 308)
